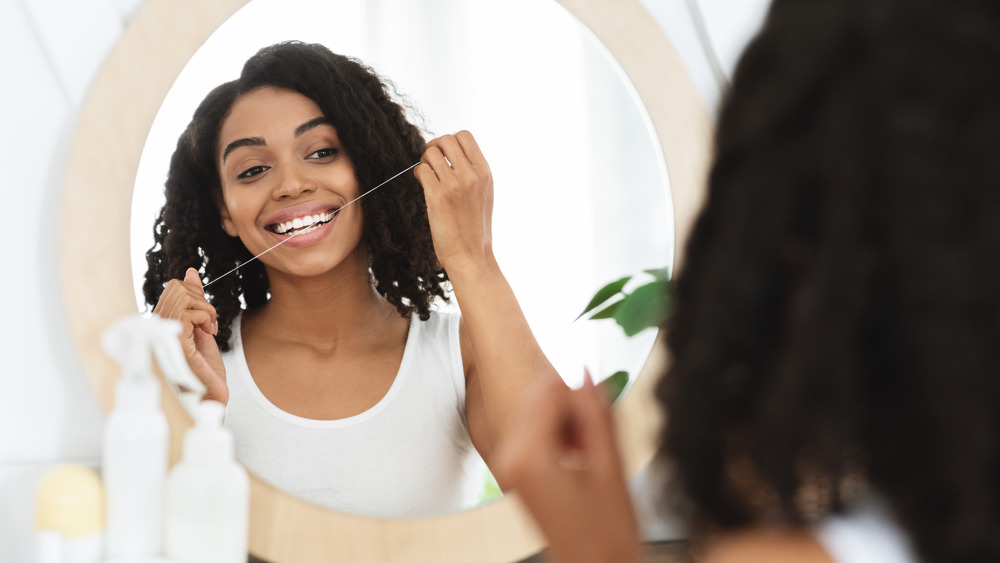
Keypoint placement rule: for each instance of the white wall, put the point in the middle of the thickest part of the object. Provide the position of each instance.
(51, 51)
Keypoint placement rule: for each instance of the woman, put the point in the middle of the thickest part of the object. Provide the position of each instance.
(343, 384)
(832, 393)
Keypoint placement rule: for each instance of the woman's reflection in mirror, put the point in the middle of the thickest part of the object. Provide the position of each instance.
(832, 392)
(346, 379)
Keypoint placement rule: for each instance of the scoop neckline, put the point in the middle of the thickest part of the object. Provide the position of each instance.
(285, 416)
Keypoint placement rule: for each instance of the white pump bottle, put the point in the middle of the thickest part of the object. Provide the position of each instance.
(136, 438)
(208, 495)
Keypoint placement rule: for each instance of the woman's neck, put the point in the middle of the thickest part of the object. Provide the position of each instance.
(340, 307)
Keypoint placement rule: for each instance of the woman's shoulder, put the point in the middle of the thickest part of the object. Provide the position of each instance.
(773, 545)
(447, 325)
(441, 322)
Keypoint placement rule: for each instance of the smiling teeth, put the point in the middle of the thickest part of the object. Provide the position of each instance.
(310, 222)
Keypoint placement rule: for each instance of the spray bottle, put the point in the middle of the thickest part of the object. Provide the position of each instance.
(136, 434)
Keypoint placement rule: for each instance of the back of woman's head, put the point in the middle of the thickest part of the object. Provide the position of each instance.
(837, 314)
(376, 135)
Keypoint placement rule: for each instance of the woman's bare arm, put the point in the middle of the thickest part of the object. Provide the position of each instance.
(505, 357)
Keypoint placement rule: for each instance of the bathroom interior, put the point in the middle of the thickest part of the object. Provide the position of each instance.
(631, 86)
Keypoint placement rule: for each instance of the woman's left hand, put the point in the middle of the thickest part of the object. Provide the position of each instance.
(458, 187)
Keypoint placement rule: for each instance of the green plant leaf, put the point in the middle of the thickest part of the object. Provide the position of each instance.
(659, 274)
(605, 293)
(614, 385)
(643, 308)
(607, 312)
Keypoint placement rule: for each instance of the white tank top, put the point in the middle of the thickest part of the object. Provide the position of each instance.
(866, 533)
(409, 455)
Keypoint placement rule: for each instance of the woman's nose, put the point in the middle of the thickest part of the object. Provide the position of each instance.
(293, 183)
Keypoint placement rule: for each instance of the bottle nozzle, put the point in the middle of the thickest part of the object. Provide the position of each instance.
(130, 340)
(210, 414)
(209, 442)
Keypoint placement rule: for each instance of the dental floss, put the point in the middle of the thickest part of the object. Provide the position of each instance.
(335, 213)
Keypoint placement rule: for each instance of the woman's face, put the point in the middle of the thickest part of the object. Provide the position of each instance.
(284, 172)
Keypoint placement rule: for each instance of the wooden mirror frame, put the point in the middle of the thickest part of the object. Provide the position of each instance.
(96, 272)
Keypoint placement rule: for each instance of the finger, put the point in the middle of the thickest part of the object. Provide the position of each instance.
(184, 298)
(215, 382)
(434, 158)
(597, 402)
(591, 387)
(192, 318)
(193, 280)
(450, 146)
(471, 150)
(203, 340)
(165, 296)
(188, 344)
(463, 169)
(440, 142)
(425, 174)
(595, 424)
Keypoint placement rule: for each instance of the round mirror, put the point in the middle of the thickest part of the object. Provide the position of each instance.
(581, 194)
(116, 118)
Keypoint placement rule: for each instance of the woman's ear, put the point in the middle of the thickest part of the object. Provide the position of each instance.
(227, 220)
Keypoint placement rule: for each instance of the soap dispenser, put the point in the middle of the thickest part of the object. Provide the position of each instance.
(135, 443)
(207, 495)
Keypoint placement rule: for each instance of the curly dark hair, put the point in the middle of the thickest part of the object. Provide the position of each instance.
(380, 142)
(836, 321)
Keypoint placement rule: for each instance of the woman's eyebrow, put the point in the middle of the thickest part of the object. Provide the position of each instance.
(247, 142)
(258, 142)
(312, 124)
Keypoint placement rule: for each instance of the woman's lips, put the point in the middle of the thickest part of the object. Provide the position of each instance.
(299, 211)
(307, 236)
(302, 225)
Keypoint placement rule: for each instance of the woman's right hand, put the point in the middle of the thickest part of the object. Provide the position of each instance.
(562, 458)
(184, 301)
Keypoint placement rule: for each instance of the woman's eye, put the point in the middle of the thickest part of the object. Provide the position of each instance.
(251, 172)
(324, 153)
